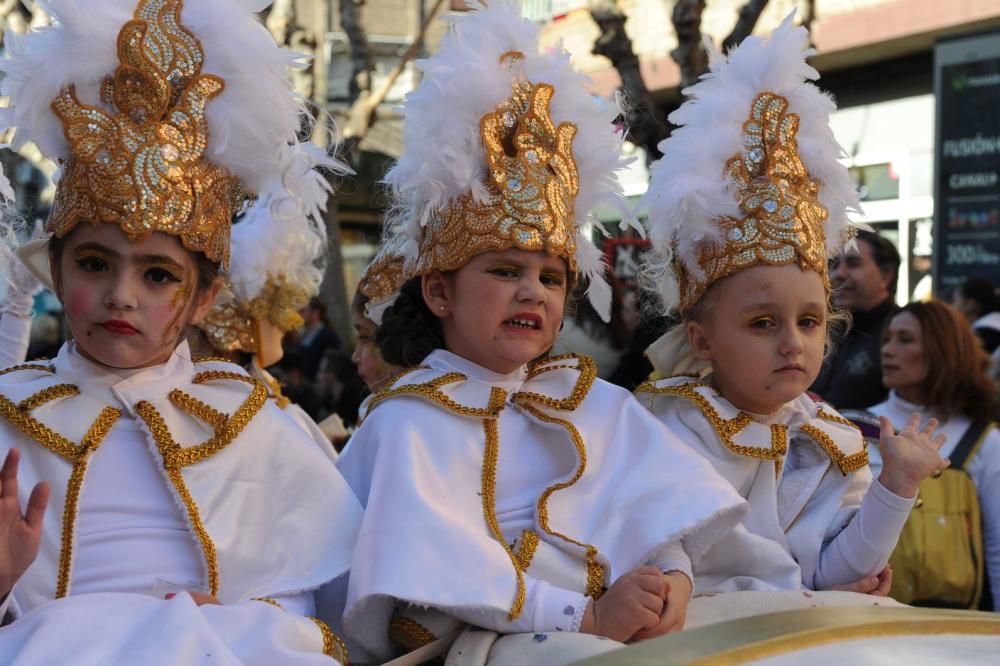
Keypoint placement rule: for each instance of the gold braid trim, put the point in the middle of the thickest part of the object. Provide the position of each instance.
(489, 490)
(27, 366)
(430, 390)
(213, 359)
(192, 406)
(596, 574)
(416, 632)
(90, 443)
(846, 463)
(274, 390)
(268, 600)
(217, 375)
(333, 647)
(47, 395)
(588, 373)
(836, 418)
(726, 429)
(526, 549)
(225, 432)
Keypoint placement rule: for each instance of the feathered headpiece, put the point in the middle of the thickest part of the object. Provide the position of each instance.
(504, 147)
(751, 175)
(161, 113)
(278, 248)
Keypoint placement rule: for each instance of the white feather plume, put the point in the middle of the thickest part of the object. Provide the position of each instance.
(689, 191)
(443, 156)
(283, 234)
(256, 114)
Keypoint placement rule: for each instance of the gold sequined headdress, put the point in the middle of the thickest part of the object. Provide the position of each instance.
(525, 156)
(751, 176)
(156, 124)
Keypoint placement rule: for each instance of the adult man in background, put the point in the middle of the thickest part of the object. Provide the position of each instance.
(864, 283)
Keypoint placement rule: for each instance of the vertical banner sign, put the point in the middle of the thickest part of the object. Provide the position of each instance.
(624, 256)
(967, 161)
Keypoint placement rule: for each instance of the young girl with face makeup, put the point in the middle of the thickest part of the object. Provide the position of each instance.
(744, 208)
(156, 507)
(504, 488)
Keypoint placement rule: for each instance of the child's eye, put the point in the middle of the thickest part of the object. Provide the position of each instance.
(552, 279)
(762, 323)
(809, 322)
(504, 271)
(92, 264)
(161, 276)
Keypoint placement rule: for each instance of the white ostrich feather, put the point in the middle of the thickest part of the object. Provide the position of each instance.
(256, 114)
(283, 234)
(689, 191)
(443, 156)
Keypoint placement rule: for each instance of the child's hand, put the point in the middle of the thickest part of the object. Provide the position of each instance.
(674, 611)
(909, 457)
(20, 534)
(877, 586)
(633, 602)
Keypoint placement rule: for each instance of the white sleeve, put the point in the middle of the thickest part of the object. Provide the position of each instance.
(673, 557)
(984, 469)
(863, 547)
(15, 334)
(301, 608)
(546, 608)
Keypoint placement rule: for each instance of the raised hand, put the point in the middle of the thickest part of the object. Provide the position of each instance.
(911, 456)
(633, 602)
(20, 534)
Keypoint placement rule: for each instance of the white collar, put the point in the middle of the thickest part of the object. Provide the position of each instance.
(112, 384)
(442, 359)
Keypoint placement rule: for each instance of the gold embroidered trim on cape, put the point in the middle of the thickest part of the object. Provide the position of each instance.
(846, 463)
(78, 455)
(596, 573)
(47, 395)
(333, 647)
(526, 548)
(176, 457)
(726, 429)
(431, 390)
(489, 487)
(268, 600)
(27, 366)
(212, 359)
(418, 634)
(217, 375)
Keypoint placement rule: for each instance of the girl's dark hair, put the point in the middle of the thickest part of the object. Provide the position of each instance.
(409, 330)
(958, 380)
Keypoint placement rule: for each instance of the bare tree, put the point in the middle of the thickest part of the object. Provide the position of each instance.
(644, 119)
(690, 54)
(748, 17)
(364, 100)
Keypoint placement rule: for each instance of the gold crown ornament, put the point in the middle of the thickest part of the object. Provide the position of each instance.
(530, 189)
(782, 198)
(143, 166)
(230, 324)
(505, 147)
(783, 221)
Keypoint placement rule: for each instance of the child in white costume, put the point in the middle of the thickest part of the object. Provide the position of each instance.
(175, 514)
(504, 488)
(744, 208)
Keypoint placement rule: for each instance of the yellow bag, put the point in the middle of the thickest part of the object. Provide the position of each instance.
(939, 560)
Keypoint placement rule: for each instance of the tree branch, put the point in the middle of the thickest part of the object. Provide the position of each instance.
(749, 14)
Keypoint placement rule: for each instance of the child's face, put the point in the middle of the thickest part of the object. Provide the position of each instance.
(764, 332)
(502, 309)
(371, 367)
(128, 302)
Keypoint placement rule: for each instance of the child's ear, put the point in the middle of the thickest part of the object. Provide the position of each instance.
(204, 300)
(698, 340)
(436, 290)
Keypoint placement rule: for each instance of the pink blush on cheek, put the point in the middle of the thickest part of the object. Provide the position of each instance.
(80, 302)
